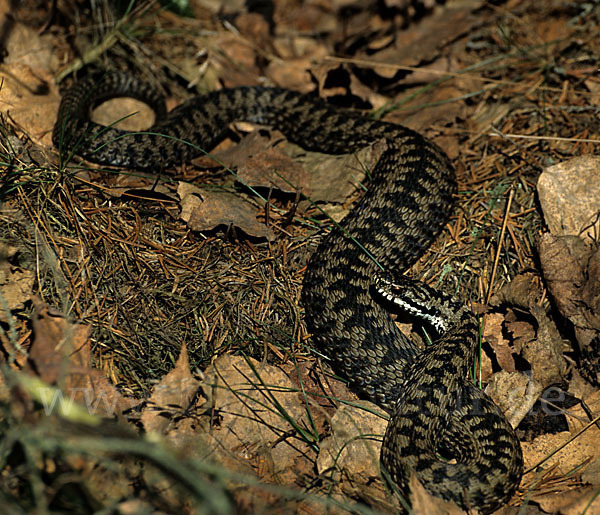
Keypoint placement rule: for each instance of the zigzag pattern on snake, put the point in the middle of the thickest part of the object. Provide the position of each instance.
(442, 427)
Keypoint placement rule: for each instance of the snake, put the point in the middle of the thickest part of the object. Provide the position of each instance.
(443, 429)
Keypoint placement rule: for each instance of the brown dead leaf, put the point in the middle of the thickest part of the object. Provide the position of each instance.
(204, 210)
(252, 404)
(522, 291)
(578, 418)
(583, 447)
(255, 28)
(171, 396)
(60, 353)
(30, 99)
(55, 339)
(28, 94)
(422, 42)
(591, 474)
(545, 352)
(494, 324)
(574, 502)
(522, 331)
(514, 393)
(297, 55)
(336, 80)
(24, 45)
(563, 261)
(330, 178)
(434, 108)
(571, 270)
(593, 85)
(350, 450)
(15, 289)
(543, 455)
(236, 59)
(259, 164)
(350, 456)
(291, 74)
(334, 178)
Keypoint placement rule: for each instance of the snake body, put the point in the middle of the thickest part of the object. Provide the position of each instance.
(442, 427)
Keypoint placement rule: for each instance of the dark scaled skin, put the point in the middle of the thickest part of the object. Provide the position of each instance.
(442, 428)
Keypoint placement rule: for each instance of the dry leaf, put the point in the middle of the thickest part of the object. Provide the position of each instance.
(204, 211)
(574, 502)
(334, 178)
(55, 339)
(578, 451)
(337, 81)
(61, 354)
(252, 405)
(545, 351)
(350, 450)
(30, 99)
(259, 164)
(15, 289)
(523, 291)
(493, 334)
(571, 270)
(430, 34)
(171, 396)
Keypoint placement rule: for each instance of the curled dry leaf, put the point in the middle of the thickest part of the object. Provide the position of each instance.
(334, 178)
(264, 160)
(255, 412)
(337, 80)
(204, 210)
(544, 352)
(541, 346)
(350, 456)
(571, 270)
(60, 353)
(428, 36)
(260, 164)
(353, 448)
(523, 291)
(493, 334)
(28, 93)
(171, 397)
(575, 448)
(514, 393)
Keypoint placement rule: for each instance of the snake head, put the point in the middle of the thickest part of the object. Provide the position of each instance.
(418, 299)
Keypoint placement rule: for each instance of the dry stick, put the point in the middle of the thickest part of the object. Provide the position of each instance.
(497, 257)
(495, 267)
(496, 133)
(500, 245)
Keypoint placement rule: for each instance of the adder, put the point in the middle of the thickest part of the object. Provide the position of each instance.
(442, 427)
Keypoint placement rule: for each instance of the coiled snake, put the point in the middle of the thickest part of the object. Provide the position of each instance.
(442, 428)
